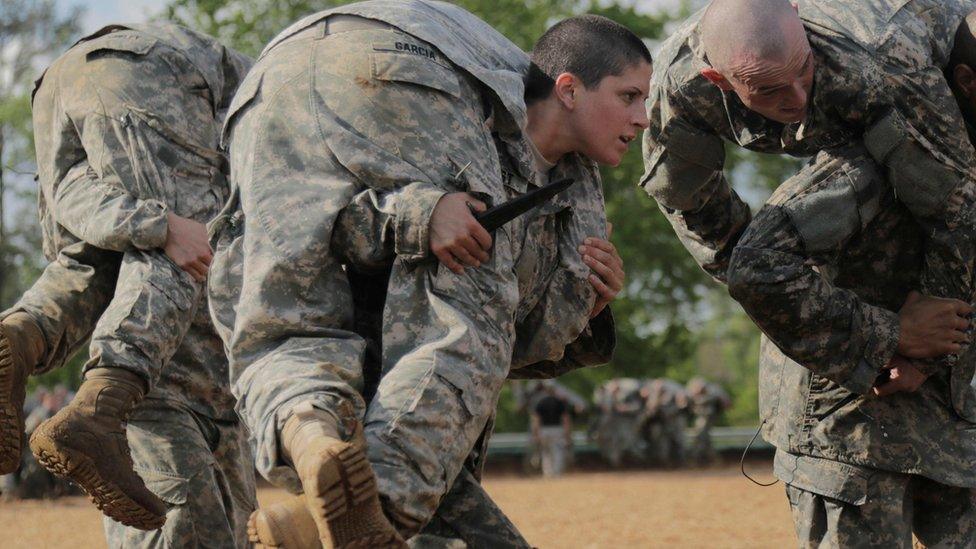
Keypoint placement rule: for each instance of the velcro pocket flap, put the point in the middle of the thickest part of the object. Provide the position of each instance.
(827, 217)
(832, 479)
(414, 69)
(170, 488)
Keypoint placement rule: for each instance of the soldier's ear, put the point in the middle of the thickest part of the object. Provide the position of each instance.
(716, 78)
(566, 88)
(964, 80)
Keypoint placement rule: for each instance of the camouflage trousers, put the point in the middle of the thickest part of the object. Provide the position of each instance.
(837, 505)
(553, 450)
(202, 468)
(136, 306)
(467, 517)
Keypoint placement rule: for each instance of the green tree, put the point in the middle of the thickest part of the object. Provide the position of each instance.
(32, 33)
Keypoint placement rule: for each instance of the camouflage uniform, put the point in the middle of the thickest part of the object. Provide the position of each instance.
(664, 421)
(127, 126)
(878, 78)
(618, 427)
(399, 117)
(879, 466)
(706, 401)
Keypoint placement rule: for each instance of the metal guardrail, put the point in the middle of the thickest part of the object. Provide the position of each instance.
(723, 438)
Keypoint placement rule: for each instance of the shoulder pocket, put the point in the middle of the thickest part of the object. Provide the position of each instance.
(835, 199)
(121, 41)
(414, 68)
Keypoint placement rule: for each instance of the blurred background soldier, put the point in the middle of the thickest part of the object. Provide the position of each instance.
(527, 395)
(620, 414)
(552, 429)
(663, 429)
(707, 401)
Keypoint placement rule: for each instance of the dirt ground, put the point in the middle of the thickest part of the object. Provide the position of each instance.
(705, 508)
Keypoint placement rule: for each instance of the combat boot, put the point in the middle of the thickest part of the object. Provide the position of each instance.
(86, 443)
(340, 489)
(22, 347)
(285, 525)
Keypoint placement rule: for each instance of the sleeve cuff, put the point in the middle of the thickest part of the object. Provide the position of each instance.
(153, 227)
(862, 378)
(879, 349)
(413, 214)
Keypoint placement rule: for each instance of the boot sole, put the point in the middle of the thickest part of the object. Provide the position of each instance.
(345, 483)
(11, 411)
(104, 494)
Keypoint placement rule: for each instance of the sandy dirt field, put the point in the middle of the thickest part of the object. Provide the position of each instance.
(711, 508)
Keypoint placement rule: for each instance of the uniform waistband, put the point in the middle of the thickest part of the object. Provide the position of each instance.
(340, 22)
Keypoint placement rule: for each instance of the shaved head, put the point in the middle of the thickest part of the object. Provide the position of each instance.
(745, 31)
(759, 50)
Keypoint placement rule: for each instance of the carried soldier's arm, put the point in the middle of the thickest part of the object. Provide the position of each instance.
(773, 275)
(684, 174)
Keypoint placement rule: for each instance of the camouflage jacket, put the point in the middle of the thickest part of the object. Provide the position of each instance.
(812, 286)
(390, 212)
(109, 169)
(896, 100)
(80, 145)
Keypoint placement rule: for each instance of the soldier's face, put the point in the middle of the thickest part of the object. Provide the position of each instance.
(778, 89)
(611, 115)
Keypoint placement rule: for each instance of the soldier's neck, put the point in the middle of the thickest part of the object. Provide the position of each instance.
(547, 130)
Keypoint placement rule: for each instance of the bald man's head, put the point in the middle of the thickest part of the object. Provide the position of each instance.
(759, 49)
(734, 31)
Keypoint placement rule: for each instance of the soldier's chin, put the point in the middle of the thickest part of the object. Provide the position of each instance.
(792, 116)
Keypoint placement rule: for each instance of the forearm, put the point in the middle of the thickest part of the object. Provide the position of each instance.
(106, 216)
(711, 232)
(827, 329)
(593, 347)
(378, 225)
(919, 135)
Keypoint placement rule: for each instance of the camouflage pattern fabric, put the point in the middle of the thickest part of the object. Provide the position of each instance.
(665, 421)
(812, 288)
(201, 467)
(127, 126)
(836, 505)
(706, 401)
(617, 428)
(897, 95)
(404, 118)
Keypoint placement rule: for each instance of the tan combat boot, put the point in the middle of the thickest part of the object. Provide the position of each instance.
(285, 525)
(340, 490)
(22, 347)
(86, 443)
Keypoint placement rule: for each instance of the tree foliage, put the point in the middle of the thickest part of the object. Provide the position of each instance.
(32, 33)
